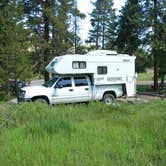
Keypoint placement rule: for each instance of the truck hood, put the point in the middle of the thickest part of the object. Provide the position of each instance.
(32, 88)
(31, 91)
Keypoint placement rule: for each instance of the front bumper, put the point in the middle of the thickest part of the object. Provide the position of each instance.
(21, 99)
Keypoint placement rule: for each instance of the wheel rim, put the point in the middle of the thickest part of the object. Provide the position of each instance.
(108, 100)
(40, 101)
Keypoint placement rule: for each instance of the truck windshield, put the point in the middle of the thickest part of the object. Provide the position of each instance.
(51, 82)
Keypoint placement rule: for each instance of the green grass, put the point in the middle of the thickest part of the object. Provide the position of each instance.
(94, 134)
(148, 88)
(144, 88)
(147, 76)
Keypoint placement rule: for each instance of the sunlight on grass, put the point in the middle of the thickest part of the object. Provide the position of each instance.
(93, 134)
(148, 76)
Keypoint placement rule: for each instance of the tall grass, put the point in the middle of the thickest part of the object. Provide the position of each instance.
(94, 134)
(146, 76)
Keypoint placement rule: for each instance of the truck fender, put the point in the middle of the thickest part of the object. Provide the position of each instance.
(41, 97)
(110, 92)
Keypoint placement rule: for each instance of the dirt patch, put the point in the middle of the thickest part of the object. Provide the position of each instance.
(147, 97)
(141, 98)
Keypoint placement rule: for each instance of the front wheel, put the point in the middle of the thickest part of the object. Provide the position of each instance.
(40, 100)
(108, 99)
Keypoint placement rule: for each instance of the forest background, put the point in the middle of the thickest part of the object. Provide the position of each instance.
(33, 32)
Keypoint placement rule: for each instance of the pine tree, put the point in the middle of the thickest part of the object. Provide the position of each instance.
(102, 19)
(154, 11)
(130, 27)
(161, 40)
(95, 33)
(77, 16)
(111, 34)
(14, 54)
(50, 22)
(37, 16)
(64, 38)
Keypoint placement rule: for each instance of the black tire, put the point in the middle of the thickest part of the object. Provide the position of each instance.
(108, 98)
(40, 100)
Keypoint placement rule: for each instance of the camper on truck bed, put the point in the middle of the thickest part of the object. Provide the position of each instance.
(99, 75)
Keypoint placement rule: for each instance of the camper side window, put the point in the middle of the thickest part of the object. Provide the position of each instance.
(101, 70)
(79, 65)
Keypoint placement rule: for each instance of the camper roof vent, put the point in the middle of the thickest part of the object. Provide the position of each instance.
(102, 52)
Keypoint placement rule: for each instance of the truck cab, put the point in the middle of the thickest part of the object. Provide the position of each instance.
(60, 89)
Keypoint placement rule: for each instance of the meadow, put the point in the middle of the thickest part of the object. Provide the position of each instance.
(146, 76)
(83, 134)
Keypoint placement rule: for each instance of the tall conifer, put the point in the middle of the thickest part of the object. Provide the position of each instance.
(14, 54)
(102, 17)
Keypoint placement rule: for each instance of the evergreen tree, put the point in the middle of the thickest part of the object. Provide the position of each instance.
(161, 49)
(154, 11)
(37, 16)
(64, 38)
(143, 60)
(130, 27)
(77, 16)
(95, 33)
(102, 19)
(111, 34)
(14, 54)
(50, 22)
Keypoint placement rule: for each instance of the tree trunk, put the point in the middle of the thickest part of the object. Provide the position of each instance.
(54, 30)
(103, 36)
(75, 32)
(162, 80)
(154, 51)
(103, 26)
(97, 35)
(46, 37)
(155, 79)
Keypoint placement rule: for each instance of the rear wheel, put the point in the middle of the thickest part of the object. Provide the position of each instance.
(108, 98)
(40, 100)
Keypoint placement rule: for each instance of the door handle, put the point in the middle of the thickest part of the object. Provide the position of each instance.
(70, 90)
(86, 88)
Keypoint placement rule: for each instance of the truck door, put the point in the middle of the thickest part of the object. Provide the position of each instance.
(63, 91)
(82, 88)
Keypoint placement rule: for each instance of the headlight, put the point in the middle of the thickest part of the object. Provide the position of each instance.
(22, 93)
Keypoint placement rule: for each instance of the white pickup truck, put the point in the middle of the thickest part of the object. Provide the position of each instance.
(98, 75)
(70, 89)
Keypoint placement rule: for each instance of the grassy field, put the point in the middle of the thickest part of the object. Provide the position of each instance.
(94, 134)
(147, 76)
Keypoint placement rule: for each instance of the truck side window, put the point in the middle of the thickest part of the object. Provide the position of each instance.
(101, 70)
(65, 82)
(80, 81)
(79, 65)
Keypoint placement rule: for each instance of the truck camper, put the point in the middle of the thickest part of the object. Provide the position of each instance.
(98, 75)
